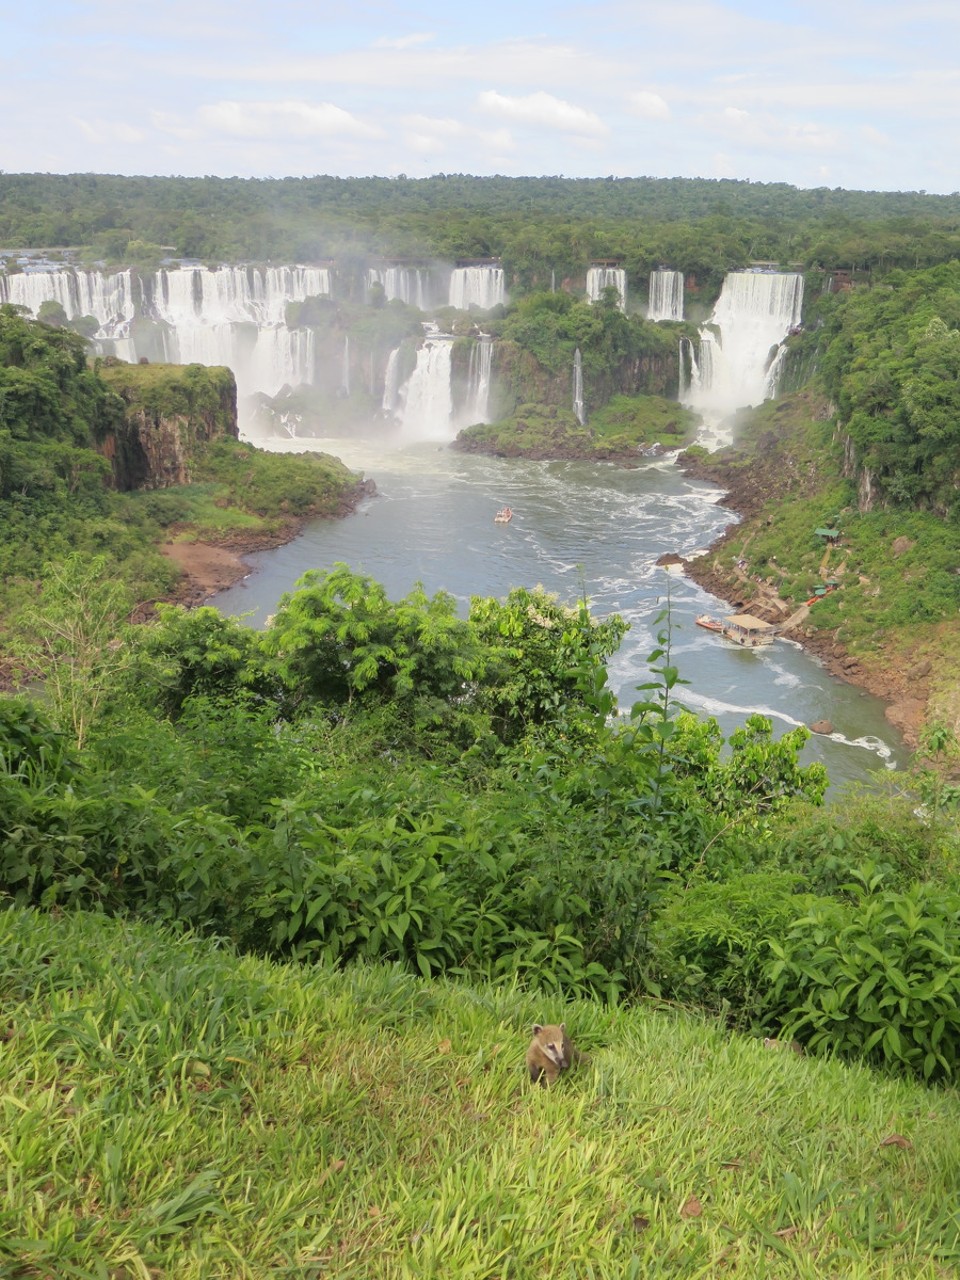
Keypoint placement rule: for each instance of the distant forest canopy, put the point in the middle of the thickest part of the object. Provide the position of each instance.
(537, 226)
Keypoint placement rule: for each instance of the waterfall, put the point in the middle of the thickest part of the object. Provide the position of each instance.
(345, 371)
(391, 384)
(407, 284)
(232, 295)
(666, 295)
(108, 298)
(600, 278)
(738, 360)
(481, 287)
(236, 316)
(476, 408)
(578, 410)
(233, 316)
(426, 400)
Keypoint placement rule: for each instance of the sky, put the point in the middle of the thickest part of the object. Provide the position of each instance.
(834, 93)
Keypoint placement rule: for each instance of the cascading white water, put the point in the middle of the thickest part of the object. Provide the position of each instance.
(477, 405)
(666, 295)
(109, 298)
(426, 399)
(234, 316)
(391, 384)
(600, 278)
(230, 295)
(345, 371)
(738, 362)
(407, 284)
(578, 408)
(482, 287)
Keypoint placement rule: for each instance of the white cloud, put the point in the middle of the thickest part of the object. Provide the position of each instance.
(643, 102)
(429, 135)
(437, 126)
(767, 93)
(283, 119)
(517, 62)
(765, 132)
(424, 144)
(406, 42)
(500, 141)
(108, 131)
(164, 122)
(545, 110)
(875, 136)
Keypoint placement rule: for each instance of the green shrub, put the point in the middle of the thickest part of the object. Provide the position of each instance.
(31, 748)
(877, 979)
(873, 838)
(711, 941)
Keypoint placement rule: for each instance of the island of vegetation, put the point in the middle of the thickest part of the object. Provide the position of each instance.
(280, 907)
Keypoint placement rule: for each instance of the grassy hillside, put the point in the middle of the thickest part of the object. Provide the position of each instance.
(172, 1110)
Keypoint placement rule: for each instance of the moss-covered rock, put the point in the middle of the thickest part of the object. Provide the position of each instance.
(169, 411)
(623, 431)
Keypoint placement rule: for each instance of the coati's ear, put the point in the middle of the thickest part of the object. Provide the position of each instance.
(563, 1026)
(537, 1028)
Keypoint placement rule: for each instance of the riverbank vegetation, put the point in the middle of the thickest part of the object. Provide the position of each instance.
(625, 429)
(376, 780)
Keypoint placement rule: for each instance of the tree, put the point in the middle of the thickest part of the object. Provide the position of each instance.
(339, 636)
(543, 657)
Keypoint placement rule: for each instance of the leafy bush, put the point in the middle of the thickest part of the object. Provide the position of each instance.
(878, 979)
(711, 941)
(196, 653)
(30, 747)
(873, 838)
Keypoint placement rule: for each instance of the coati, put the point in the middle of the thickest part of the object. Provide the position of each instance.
(551, 1051)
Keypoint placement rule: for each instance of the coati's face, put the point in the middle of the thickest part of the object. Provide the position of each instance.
(553, 1041)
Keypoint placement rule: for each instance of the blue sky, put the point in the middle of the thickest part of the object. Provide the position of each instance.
(815, 93)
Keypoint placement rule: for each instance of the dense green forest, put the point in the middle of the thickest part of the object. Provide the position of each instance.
(536, 225)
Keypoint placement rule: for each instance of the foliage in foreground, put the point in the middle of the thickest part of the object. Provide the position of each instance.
(172, 1109)
(373, 780)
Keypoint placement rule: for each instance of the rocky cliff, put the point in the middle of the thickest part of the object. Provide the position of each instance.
(168, 410)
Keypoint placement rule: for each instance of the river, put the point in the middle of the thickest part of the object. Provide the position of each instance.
(577, 527)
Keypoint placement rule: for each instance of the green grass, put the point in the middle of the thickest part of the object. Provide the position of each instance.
(170, 1109)
(634, 421)
(206, 508)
